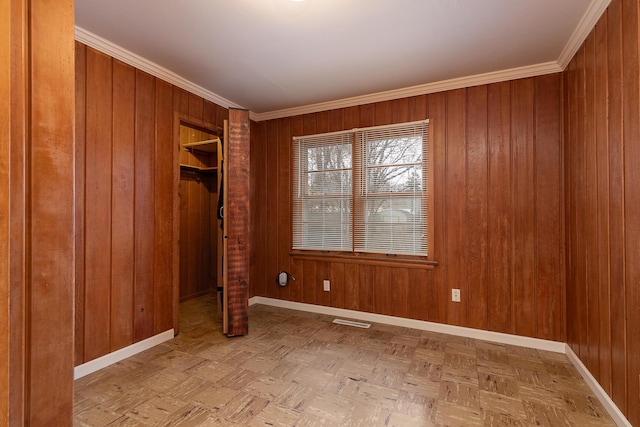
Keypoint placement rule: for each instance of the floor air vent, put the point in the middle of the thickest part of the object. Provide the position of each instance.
(351, 323)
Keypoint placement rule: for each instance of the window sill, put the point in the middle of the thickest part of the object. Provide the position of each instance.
(381, 260)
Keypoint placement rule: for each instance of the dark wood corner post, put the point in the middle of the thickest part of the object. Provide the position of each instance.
(36, 212)
(237, 217)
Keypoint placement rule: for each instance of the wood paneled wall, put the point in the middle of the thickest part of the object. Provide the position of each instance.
(198, 234)
(127, 175)
(498, 201)
(36, 213)
(602, 184)
(198, 222)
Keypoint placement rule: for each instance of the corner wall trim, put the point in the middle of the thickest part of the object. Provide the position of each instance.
(497, 337)
(118, 355)
(596, 388)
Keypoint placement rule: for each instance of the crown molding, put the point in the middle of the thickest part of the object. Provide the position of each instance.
(458, 83)
(585, 26)
(128, 57)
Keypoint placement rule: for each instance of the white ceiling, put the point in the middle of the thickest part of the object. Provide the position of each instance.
(274, 55)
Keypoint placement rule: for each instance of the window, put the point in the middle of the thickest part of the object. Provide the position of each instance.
(364, 190)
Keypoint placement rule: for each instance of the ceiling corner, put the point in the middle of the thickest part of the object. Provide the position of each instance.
(585, 26)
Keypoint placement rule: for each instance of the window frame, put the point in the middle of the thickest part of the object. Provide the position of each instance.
(358, 177)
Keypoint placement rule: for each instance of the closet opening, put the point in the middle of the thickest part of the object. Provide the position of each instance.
(200, 234)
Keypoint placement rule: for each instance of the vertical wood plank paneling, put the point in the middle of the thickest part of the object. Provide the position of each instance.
(476, 215)
(6, 80)
(98, 205)
(209, 111)
(50, 273)
(382, 290)
(499, 208)
(31, 131)
(273, 238)
(48, 33)
(137, 232)
(482, 167)
(322, 122)
(420, 285)
(399, 110)
(260, 196)
(295, 293)
(194, 236)
(367, 115)
(365, 290)
(382, 113)
(336, 120)
(222, 114)
(351, 117)
(439, 295)
(603, 247)
(80, 143)
(590, 212)
(309, 282)
(196, 107)
(580, 197)
(602, 109)
(417, 108)
(336, 276)
(398, 285)
(548, 179)
(181, 101)
(165, 170)
(573, 332)
(352, 286)
(297, 286)
(144, 204)
(203, 284)
(284, 201)
(184, 289)
(323, 272)
(122, 203)
(522, 157)
(631, 137)
(455, 203)
(17, 120)
(616, 205)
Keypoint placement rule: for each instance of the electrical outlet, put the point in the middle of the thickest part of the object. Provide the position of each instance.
(455, 295)
(326, 285)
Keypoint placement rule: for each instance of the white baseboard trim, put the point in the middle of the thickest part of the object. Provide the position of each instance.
(596, 388)
(498, 337)
(118, 355)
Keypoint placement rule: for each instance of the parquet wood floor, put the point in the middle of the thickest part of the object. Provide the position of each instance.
(300, 369)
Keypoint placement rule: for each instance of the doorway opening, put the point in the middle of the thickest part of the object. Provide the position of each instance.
(200, 233)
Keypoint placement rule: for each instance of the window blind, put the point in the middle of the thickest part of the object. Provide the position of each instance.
(391, 212)
(362, 190)
(322, 192)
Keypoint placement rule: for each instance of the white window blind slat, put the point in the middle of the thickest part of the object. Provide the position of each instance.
(388, 212)
(322, 186)
(391, 216)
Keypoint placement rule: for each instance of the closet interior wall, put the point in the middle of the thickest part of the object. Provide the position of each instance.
(198, 222)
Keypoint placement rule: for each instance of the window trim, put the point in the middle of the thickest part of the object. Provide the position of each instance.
(360, 257)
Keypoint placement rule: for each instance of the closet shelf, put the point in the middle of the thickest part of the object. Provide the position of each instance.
(208, 146)
(199, 169)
